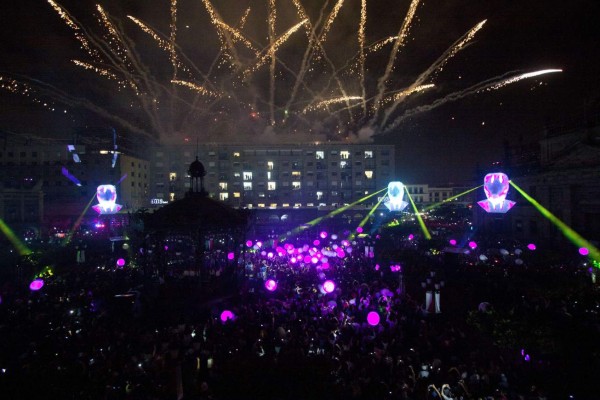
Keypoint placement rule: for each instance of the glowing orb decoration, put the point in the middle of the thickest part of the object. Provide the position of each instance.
(120, 262)
(314, 260)
(270, 285)
(584, 251)
(472, 245)
(452, 242)
(293, 260)
(316, 242)
(334, 237)
(227, 315)
(531, 246)
(377, 267)
(395, 195)
(107, 196)
(411, 236)
(325, 265)
(323, 235)
(373, 318)
(230, 256)
(359, 229)
(328, 286)
(270, 254)
(396, 268)
(249, 243)
(495, 186)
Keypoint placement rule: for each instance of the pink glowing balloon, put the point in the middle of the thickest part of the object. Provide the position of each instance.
(453, 242)
(270, 254)
(226, 315)
(230, 256)
(316, 242)
(411, 236)
(359, 229)
(328, 286)
(377, 267)
(270, 285)
(249, 243)
(120, 262)
(293, 260)
(323, 235)
(373, 318)
(472, 245)
(325, 265)
(36, 284)
(314, 260)
(584, 251)
(307, 259)
(531, 246)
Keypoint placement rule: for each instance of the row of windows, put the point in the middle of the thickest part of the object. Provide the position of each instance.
(319, 154)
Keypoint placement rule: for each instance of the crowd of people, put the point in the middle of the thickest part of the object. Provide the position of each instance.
(96, 331)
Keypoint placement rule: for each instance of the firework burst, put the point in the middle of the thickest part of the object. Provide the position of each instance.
(278, 66)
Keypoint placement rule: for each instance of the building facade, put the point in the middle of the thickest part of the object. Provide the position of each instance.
(274, 176)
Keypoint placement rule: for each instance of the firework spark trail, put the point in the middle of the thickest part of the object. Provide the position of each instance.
(197, 88)
(437, 66)
(332, 16)
(236, 34)
(381, 43)
(308, 52)
(402, 35)
(173, 38)
(100, 71)
(271, 54)
(325, 103)
(72, 23)
(163, 44)
(490, 84)
(227, 45)
(361, 49)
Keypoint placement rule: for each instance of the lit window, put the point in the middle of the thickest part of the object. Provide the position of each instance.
(285, 205)
(261, 205)
(270, 165)
(172, 176)
(261, 194)
(237, 195)
(369, 174)
(271, 185)
(296, 173)
(171, 196)
(236, 154)
(319, 195)
(296, 185)
(343, 164)
(269, 175)
(320, 155)
(310, 204)
(237, 175)
(223, 185)
(223, 196)
(247, 185)
(344, 155)
(368, 154)
(273, 206)
(247, 176)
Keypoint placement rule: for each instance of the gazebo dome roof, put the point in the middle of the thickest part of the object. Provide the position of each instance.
(196, 169)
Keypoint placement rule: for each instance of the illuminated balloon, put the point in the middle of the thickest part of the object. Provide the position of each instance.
(36, 284)
(584, 251)
(373, 318)
(328, 286)
(531, 246)
(120, 263)
(453, 242)
(270, 285)
(230, 256)
(227, 315)
(472, 245)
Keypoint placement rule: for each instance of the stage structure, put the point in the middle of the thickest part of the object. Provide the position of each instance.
(393, 199)
(495, 186)
(107, 197)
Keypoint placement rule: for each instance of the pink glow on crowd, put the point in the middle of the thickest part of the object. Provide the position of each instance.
(270, 285)
(36, 284)
(325, 265)
(373, 318)
(226, 315)
(328, 286)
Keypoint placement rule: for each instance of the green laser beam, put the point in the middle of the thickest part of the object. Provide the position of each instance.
(331, 214)
(431, 206)
(569, 233)
(78, 221)
(366, 218)
(421, 222)
(16, 242)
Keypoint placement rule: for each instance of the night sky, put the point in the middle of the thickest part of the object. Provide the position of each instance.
(438, 146)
